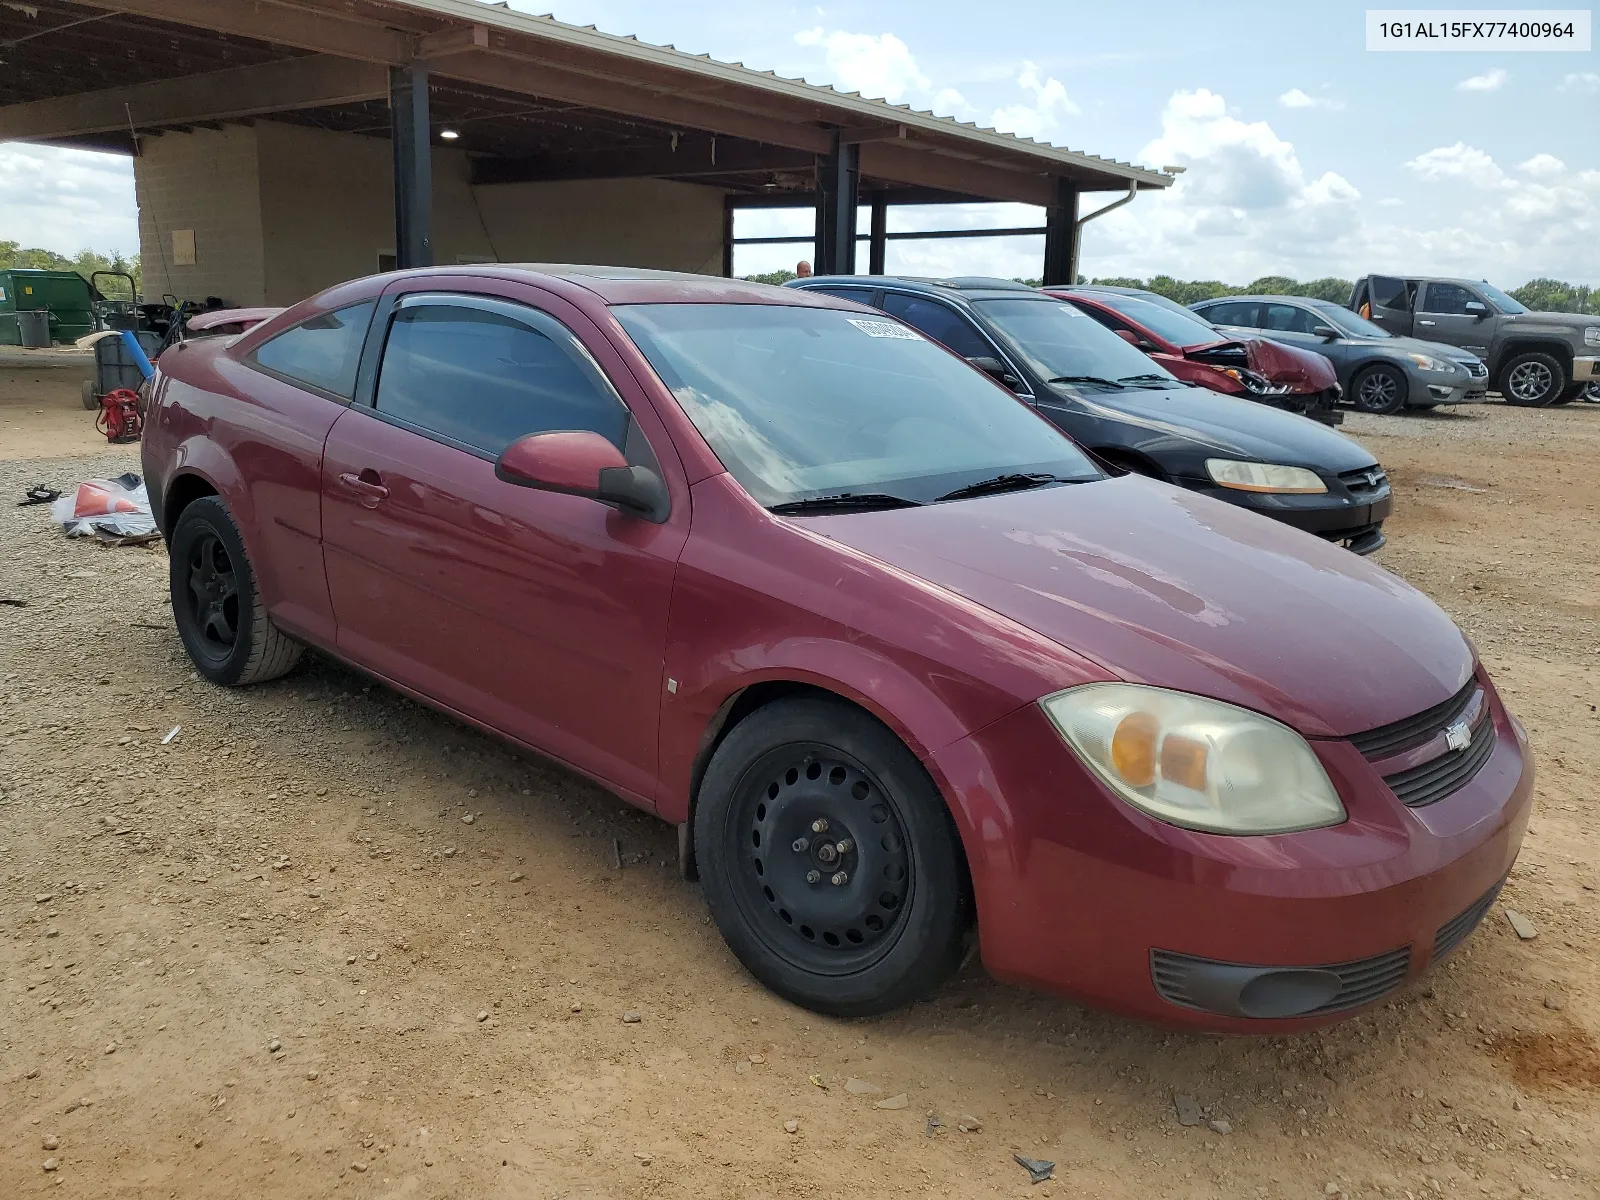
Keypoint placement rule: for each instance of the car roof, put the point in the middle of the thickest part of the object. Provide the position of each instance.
(1259, 296)
(635, 285)
(1462, 280)
(959, 286)
(1118, 289)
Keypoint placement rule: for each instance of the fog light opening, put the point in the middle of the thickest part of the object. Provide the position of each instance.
(1288, 993)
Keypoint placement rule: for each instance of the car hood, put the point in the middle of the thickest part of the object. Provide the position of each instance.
(1524, 322)
(1174, 589)
(1303, 370)
(1233, 427)
(1411, 345)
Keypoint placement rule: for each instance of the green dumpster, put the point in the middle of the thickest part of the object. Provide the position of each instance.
(65, 295)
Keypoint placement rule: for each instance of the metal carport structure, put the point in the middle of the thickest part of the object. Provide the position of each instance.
(530, 100)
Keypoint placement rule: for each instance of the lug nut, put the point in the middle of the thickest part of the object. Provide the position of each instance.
(820, 825)
(845, 846)
(800, 845)
(813, 876)
(827, 853)
(840, 879)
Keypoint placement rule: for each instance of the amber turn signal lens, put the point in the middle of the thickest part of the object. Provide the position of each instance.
(1133, 749)
(1183, 761)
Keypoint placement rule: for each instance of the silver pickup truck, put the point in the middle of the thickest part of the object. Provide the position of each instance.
(1535, 358)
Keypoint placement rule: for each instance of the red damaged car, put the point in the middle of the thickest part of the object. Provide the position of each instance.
(886, 647)
(1194, 350)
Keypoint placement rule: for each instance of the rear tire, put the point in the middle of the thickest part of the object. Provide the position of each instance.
(90, 400)
(891, 930)
(219, 614)
(1380, 389)
(1532, 379)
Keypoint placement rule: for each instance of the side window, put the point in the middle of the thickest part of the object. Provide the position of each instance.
(1285, 318)
(1105, 318)
(942, 324)
(859, 295)
(322, 353)
(1231, 312)
(1447, 298)
(1394, 294)
(483, 378)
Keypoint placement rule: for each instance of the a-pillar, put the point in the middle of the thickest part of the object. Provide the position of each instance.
(838, 176)
(413, 166)
(1061, 236)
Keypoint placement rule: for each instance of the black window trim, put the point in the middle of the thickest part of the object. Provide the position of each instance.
(250, 360)
(972, 320)
(372, 356)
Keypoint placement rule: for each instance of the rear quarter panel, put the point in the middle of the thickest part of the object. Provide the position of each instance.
(257, 442)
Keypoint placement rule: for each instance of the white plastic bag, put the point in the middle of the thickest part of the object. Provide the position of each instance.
(114, 508)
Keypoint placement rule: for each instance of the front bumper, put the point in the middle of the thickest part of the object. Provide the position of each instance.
(1585, 369)
(1449, 393)
(1338, 515)
(1081, 894)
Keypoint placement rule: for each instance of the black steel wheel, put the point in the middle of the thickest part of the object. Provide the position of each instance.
(829, 859)
(1532, 379)
(220, 616)
(1380, 389)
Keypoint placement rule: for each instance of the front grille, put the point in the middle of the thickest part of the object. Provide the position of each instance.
(1476, 369)
(1456, 930)
(1388, 740)
(1360, 982)
(1434, 780)
(1364, 482)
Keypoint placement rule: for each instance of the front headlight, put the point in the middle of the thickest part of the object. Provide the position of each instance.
(1591, 336)
(1258, 384)
(1196, 763)
(1263, 477)
(1428, 363)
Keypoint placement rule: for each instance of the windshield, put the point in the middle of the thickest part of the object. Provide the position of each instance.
(1348, 322)
(1060, 342)
(808, 402)
(1499, 299)
(1180, 327)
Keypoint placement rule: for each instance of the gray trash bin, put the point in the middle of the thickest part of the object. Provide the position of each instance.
(35, 328)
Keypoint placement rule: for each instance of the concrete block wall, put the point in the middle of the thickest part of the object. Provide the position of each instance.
(206, 181)
(282, 211)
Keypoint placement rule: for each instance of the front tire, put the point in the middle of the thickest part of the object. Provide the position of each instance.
(1532, 379)
(829, 860)
(219, 614)
(1380, 389)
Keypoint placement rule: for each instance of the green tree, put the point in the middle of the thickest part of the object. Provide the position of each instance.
(1554, 295)
(772, 277)
(87, 262)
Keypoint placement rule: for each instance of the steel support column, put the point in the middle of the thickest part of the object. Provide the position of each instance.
(411, 137)
(1061, 235)
(838, 176)
(727, 236)
(879, 234)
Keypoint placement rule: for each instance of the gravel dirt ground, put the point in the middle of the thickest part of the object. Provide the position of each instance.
(326, 942)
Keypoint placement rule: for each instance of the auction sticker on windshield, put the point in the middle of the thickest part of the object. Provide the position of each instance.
(885, 329)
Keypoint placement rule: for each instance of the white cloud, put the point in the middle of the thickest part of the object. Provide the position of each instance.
(879, 66)
(1490, 81)
(1581, 82)
(1295, 98)
(1042, 118)
(67, 200)
(1459, 162)
(1543, 166)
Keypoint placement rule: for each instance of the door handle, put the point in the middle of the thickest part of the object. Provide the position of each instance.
(368, 485)
(1427, 322)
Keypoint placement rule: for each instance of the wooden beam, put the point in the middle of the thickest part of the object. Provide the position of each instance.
(286, 25)
(457, 40)
(281, 86)
(694, 156)
(872, 133)
(904, 162)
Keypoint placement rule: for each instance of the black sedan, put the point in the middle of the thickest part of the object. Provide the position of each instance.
(1114, 401)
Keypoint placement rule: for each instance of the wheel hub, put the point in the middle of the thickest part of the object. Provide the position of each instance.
(213, 591)
(825, 855)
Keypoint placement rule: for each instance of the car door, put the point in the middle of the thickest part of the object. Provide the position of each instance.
(1443, 315)
(1292, 324)
(1392, 300)
(542, 615)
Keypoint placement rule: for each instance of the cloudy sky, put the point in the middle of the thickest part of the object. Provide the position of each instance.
(1306, 154)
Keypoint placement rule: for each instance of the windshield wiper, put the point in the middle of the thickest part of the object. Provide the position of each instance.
(1150, 377)
(843, 502)
(1013, 481)
(1101, 380)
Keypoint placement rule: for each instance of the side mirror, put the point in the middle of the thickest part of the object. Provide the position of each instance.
(1326, 332)
(995, 369)
(577, 462)
(1477, 308)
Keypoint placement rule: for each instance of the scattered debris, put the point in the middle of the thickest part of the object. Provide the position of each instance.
(51, 1141)
(1220, 1125)
(1524, 927)
(1554, 1002)
(1188, 1109)
(12, 602)
(632, 1017)
(171, 733)
(274, 1046)
(1038, 1169)
(816, 1081)
(900, 1100)
(483, 1015)
(1446, 481)
(38, 494)
(116, 508)
(616, 854)
(934, 1124)
(518, 876)
(50, 1164)
(969, 1123)
(791, 1126)
(859, 1087)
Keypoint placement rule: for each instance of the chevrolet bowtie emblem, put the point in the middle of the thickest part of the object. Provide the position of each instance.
(1458, 736)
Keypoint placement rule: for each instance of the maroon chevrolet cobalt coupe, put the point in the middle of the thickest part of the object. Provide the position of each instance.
(890, 651)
